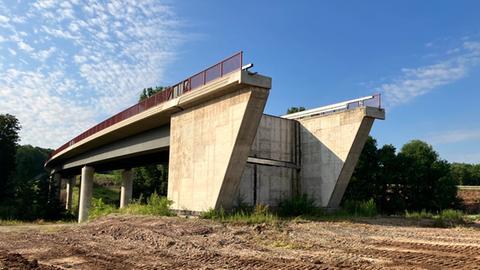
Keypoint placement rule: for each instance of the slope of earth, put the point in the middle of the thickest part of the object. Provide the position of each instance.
(137, 242)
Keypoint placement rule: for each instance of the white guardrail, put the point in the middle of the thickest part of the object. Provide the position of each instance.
(370, 101)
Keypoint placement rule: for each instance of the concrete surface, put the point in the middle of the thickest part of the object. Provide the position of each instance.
(209, 147)
(86, 189)
(126, 188)
(70, 183)
(330, 147)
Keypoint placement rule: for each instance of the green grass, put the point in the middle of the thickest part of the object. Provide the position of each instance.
(419, 215)
(10, 222)
(156, 206)
(256, 215)
(445, 218)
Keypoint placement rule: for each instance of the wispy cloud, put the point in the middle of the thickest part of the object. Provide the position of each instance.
(455, 136)
(414, 82)
(68, 64)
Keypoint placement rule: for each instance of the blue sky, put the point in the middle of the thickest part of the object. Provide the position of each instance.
(65, 65)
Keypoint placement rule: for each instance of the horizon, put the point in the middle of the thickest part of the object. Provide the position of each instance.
(65, 66)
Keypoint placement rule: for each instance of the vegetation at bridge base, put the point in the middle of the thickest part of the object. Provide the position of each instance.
(26, 191)
(155, 205)
(411, 180)
(150, 179)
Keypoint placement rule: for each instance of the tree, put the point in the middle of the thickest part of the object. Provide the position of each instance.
(414, 179)
(9, 127)
(295, 109)
(32, 187)
(151, 178)
(148, 92)
(466, 174)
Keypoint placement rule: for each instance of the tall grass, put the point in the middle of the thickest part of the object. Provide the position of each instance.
(255, 215)
(156, 206)
(360, 208)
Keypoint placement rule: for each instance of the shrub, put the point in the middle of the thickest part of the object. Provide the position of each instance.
(449, 218)
(156, 206)
(297, 206)
(99, 208)
(255, 215)
(361, 208)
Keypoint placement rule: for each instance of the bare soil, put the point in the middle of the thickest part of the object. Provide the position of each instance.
(471, 200)
(134, 242)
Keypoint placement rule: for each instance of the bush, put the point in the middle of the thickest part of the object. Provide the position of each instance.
(156, 206)
(255, 215)
(298, 206)
(449, 218)
(361, 208)
(99, 208)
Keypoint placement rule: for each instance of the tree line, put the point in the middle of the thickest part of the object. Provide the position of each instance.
(414, 178)
(26, 191)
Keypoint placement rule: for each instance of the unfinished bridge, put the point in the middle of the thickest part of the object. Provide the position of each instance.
(219, 145)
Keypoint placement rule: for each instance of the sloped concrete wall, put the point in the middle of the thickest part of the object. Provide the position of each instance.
(274, 144)
(273, 184)
(330, 148)
(209, 146)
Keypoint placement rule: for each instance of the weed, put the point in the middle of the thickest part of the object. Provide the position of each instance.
(361, 208)
(256, 215)
(449, 218)
(298, 206)
(424, 214)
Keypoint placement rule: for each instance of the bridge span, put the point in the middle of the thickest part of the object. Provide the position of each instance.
(219, 145)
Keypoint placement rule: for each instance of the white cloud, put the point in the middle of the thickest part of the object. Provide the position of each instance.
(24, 46)
(4, 19)
(455, 136)
(419, 81)
(85, 60)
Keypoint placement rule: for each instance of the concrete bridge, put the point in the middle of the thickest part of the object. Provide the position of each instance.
(219, 145)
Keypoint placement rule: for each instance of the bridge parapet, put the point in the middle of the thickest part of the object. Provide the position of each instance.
(228, 65)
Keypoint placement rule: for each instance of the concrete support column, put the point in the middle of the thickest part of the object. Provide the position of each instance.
(127, 188)
(56, 186)
(86, 188)
(70, 183)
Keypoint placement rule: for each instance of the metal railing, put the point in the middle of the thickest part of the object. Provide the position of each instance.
(368, 101)
(230, 64)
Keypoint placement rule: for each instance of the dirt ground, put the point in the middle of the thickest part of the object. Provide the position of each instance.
(132, 242)
(471, 200)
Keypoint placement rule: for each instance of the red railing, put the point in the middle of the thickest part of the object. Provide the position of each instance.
(216, 71)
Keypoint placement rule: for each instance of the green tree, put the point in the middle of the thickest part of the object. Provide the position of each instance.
(32, 187)
(466, 174)
(148, 92)
(414, 179)
(9, 127)
(151, 178)
(295, 109)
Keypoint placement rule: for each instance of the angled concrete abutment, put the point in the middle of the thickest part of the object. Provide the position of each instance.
(313, 155)
(209, 148)
(331, 146)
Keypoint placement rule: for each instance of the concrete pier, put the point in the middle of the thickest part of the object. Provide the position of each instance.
(56, 185)
(86, 188)
(127, 188)
(70, 183)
